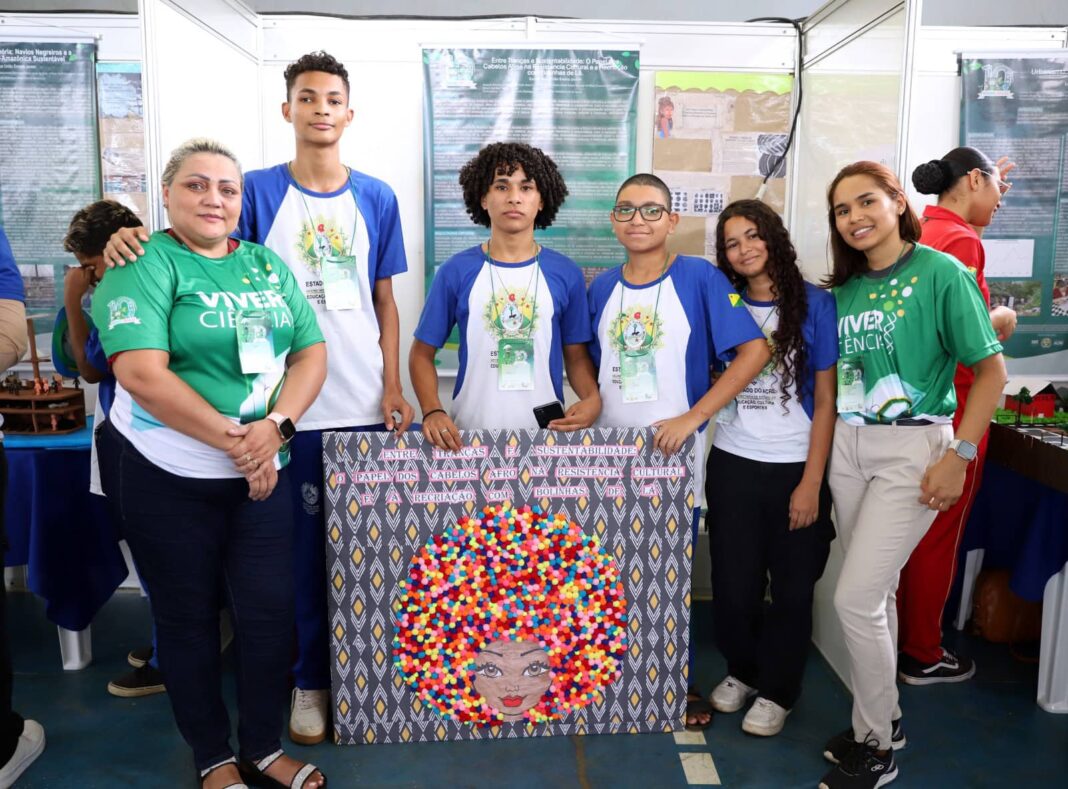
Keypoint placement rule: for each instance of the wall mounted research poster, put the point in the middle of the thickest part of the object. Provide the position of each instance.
(1016, 105)
(716, 136)
(534, 584)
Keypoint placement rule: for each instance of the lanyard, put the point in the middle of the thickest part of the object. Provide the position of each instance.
(763, 323)
(656, 307)
(311, 219)
(893, 268)
(535, 277)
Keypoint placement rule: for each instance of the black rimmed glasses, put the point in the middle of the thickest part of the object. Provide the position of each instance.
(651, 212)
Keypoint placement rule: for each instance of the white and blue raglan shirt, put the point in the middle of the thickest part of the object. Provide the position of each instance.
(274, 214)
(763, 429)
(465, 292)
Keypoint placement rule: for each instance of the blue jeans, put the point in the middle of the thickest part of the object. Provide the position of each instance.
(196, 542)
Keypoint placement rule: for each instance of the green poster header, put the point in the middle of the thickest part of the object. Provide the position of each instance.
(724, 80)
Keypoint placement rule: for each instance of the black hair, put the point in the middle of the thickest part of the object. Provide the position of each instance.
(646, 179)
(315, 61)
(504, 158)
(940, 175)
(92, 226)
(787, 287)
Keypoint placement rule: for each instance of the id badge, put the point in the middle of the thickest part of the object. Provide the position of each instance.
(340, 282)
(515, 364)
(638, 375)
(850, 385)
(255, 343)
(725, 415)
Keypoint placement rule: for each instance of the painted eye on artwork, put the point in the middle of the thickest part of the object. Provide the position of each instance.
(489, 671)
(535, 669)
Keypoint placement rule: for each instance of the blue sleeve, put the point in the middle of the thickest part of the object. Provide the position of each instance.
(575, 322)
(439, 311)
(825, 329)
(730, 321)
(246, 223)
(595, 339)
(11, 286)
(94, 352)
(390, 259)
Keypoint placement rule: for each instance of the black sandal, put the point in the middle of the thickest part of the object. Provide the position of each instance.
(696, 705)
(255, 773)
(202, 774)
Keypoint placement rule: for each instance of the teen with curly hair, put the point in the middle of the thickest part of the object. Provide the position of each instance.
(771, 519)
(907, 314)
(339, 232)
(520, 307)
(660, 321)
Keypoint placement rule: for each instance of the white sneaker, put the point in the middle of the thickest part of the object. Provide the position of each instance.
(307, 716)
(765, 718)
(31, 743)
(730, 695)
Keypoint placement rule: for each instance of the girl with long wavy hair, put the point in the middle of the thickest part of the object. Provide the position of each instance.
(907, 314)
(769, 513)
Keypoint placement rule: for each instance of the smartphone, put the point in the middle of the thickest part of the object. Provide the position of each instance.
(548, 412)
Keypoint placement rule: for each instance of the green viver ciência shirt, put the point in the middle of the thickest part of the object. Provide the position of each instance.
(908, 326)
(174, 300)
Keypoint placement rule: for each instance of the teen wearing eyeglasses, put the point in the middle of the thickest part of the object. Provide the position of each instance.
(661, 320)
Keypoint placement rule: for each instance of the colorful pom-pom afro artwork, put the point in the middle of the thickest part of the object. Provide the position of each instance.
(513, 616)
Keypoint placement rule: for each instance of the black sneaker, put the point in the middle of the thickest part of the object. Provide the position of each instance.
(949, 669)
(140, 656)
(861, 768)
(840, 744)
(143, 681)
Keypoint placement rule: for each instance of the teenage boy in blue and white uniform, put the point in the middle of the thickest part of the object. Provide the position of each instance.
(520, 308)
(339, 232)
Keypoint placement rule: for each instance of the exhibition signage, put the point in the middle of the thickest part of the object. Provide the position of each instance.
(1016, 105)
(535, 583)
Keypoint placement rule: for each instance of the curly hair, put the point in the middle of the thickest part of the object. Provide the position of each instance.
(787, 286)
(92, 226)
(510, 574)
(315, 61)
(504, 158)
(848, 261)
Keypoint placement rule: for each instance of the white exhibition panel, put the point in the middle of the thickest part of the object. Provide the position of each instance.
(118, 37)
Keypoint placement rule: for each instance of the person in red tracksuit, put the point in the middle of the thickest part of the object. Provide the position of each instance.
(969, 188)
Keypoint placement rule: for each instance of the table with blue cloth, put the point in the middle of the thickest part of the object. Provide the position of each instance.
(60, 531)
(1019, 522)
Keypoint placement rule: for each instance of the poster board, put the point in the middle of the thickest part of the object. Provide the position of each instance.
(397, 538)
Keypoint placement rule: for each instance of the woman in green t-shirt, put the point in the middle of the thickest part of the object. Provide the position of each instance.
(216, 353)
(906, 315)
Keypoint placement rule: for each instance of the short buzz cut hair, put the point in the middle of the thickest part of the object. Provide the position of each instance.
(315, 61)
(92, 226)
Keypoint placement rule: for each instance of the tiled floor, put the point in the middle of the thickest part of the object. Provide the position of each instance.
(985, 733)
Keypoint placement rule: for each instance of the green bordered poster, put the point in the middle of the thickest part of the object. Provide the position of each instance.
(1016, 105)
(49, 164)
(578, 106)
(716, 137)
(122, 135)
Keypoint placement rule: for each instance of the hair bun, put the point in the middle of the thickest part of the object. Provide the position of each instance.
(933, 177)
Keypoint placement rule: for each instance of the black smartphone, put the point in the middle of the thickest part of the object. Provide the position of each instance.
(548, 412)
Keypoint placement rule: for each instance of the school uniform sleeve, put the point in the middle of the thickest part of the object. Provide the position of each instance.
(962, 319)
(132, 305)
(11, 286)
(729, 320)
(575, 320)
(439, 311)
(391, 259)
(246, 223)
(94, 352)
(596, 297)
(306, 330)
(824, 352)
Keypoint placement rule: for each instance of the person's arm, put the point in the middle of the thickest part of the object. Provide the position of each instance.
(389, 341)
(13, 337)
(747, 364)
(438, 427)
(805, 500)
(943, 483)
(583, 379)
(75, 286)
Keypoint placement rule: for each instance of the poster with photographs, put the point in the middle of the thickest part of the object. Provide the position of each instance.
(716, 137)
(122, 135)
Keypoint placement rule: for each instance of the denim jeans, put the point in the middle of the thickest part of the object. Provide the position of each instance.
(196, 542)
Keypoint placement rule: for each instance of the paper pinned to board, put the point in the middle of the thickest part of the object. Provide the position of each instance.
(1009, 257)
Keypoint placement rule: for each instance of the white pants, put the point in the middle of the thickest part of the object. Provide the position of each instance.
(875, 473)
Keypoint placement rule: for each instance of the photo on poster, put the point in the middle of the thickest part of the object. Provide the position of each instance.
(1022, 295)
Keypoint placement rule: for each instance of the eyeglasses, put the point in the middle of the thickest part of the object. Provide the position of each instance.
(650, 212)
(1003, 186)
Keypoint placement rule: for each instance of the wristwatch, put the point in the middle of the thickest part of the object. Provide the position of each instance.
(286, 428)
(965, 450)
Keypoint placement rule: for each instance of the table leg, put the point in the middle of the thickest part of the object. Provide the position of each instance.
(1053, 651)
(973, 563)
(75, 648)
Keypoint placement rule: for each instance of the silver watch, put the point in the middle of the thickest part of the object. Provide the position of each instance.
(965, 450)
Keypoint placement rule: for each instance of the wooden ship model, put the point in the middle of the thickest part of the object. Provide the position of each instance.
(40, 406)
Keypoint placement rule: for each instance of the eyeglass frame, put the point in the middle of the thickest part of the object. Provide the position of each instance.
(640, 209)
(1003, 186)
